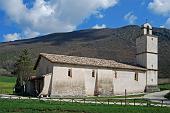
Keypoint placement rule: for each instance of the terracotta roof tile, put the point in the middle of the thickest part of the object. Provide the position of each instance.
(64, 59)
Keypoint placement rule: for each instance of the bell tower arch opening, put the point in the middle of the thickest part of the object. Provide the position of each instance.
(146, 29)
(147, 32)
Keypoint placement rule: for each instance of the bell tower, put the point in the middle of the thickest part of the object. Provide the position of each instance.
(147, 56)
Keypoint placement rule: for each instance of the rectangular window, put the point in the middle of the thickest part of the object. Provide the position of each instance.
(93, 73)
(136, 76)
(70, 72)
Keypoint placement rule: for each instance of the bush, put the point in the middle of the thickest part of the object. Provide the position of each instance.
(167, 96)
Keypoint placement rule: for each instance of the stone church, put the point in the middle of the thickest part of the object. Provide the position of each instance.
(61, 75)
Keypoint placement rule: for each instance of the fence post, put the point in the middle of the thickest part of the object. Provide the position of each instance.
(121, 102)
(84, 100)
(125, 97)
(60, 100)
(134, 102)
(162, 103)
(95, 101)
(108, 101)
(147, 102)
(72, 100)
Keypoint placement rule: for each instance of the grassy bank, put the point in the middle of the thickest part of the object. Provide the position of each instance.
(164, 86)
(7, 84)
(39, 106)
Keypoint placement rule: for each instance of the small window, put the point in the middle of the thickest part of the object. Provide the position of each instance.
(93, 73)
(70, 72)
(152, 79)
(148, 29)
(136, 76)
(115, 74)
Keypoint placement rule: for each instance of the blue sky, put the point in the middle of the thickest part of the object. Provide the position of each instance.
(21, 19)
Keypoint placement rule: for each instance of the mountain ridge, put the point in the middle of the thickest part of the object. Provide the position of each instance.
(110, 43)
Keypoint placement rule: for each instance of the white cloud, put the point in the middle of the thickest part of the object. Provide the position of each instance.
(99, 26)
(30, 34)
(99, 15)
(161, 7)
(162, 26)
(130, 17)
(12, 37)
(24, 35)
(167, 23)
(52, 15)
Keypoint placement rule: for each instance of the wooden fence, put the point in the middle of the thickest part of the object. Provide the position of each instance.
(96, 101)
(112, 101)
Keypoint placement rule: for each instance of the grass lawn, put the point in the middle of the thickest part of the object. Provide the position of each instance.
(7, 84)
(39, 106)
(164, 86)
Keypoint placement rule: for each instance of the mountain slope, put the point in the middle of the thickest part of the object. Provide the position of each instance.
(117, 44)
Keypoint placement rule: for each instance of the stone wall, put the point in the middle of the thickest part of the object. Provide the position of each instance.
(152, 77)
(64, 85)
(126, 80)
(82, 83)
(105, 82)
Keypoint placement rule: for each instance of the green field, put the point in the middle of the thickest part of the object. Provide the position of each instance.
(164, 86)
(39, 106)
(7, 84)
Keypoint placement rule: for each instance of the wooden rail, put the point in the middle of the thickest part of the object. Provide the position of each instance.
(95, 101)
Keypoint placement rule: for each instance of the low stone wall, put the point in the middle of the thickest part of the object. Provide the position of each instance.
(163, 80)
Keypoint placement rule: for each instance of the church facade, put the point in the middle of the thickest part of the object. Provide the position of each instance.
(63, 76)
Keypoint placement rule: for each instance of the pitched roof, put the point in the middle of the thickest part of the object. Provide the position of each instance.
(64, 59)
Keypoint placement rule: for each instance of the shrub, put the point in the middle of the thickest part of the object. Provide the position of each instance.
(167, 96)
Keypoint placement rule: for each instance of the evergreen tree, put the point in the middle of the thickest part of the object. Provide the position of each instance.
(23, 69)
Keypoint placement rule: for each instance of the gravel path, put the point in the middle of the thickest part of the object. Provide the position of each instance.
(158, 96)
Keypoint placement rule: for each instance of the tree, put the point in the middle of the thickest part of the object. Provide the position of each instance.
(23, 70)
